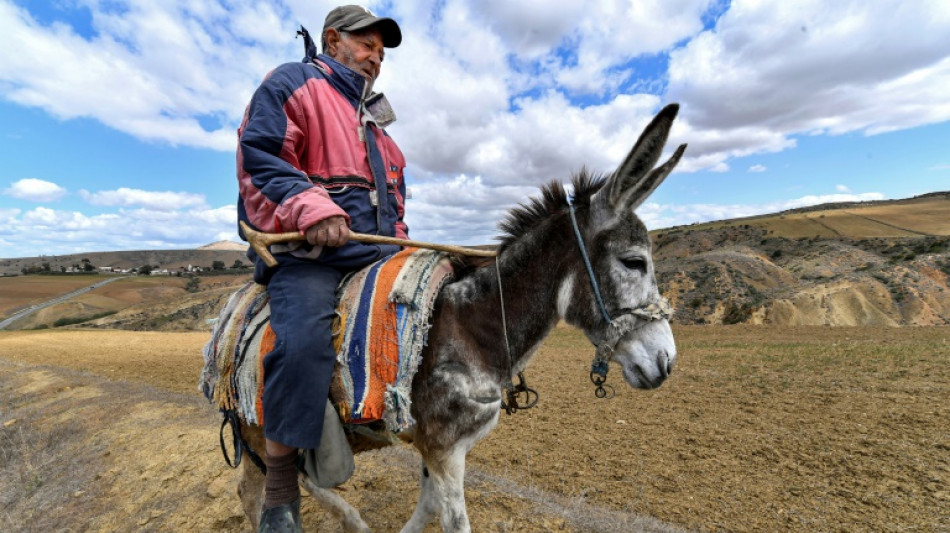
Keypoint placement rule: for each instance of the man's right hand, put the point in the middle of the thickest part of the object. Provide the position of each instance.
(332, 231)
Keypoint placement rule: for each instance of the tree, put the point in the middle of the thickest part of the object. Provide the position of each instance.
(88, 267)
(145, 270)
(238, 264)
(217, 265)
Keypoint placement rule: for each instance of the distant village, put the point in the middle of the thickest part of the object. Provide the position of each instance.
(86, 267)
(141, 270)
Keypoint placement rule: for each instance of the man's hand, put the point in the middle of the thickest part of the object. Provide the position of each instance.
(329, 232)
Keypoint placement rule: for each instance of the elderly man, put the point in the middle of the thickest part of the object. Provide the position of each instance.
(313, 158)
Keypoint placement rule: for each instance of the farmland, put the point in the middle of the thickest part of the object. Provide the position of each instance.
(759, 428)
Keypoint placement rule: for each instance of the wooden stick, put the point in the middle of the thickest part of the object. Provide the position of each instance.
(260, 242)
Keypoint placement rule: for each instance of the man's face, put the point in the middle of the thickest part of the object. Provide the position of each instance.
(361, 51)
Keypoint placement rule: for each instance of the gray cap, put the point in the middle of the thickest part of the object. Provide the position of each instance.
(355, 18)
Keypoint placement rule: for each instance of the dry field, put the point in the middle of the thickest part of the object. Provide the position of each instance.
(908, 218)
(758, 429)
(21, 291)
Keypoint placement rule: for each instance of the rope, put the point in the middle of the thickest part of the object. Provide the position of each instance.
(590, 269)
(504, 322)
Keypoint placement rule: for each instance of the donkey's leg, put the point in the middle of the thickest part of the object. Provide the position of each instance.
(427, 507)
(448, 484)
(338, 507)
(251, 485)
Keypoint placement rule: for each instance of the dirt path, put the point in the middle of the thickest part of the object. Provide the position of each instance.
(121, 456)
(758, 429)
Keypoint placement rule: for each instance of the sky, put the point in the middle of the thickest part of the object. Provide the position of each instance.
(118, 118)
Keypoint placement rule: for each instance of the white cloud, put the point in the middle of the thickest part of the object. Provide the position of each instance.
(818, 67)
(842, 188)
(757, 168)
(496, 97)
(154, 200)
(121, 230)
(35, 190)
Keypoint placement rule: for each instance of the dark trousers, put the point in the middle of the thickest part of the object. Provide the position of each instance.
(298, 371)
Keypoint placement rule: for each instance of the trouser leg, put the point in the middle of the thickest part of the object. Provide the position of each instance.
(298, 371)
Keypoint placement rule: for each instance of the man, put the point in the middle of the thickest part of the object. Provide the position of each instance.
(313, 158)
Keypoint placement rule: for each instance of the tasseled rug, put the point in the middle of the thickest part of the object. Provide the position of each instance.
(383, 314)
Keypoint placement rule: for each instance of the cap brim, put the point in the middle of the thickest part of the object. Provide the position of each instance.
(392, 35)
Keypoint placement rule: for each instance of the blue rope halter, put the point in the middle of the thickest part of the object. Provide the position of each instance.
(586, 257)
(598, 369)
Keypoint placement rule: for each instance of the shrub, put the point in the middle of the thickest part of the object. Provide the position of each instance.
(68, 321)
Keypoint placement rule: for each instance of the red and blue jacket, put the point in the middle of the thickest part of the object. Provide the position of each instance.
(302, 158)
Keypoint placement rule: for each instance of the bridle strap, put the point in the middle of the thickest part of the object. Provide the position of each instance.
(586, 257)
(512, 401)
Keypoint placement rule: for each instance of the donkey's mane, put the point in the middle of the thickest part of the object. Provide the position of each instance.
(553, 200)
(524, 217)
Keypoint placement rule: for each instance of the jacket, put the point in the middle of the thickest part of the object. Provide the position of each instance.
(302, 158)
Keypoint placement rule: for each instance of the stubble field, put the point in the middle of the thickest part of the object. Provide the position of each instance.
(758, 429)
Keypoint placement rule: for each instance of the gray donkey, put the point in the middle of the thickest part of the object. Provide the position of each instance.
(584, 257)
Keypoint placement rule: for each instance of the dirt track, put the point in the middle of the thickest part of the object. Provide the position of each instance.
(802, 429)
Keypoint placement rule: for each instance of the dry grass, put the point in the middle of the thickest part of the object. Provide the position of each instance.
(758, 429)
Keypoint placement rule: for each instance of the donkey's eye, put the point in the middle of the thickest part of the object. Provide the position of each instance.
(635, 263)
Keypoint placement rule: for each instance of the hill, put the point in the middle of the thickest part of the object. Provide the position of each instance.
(225, 245)
(873, 263)
(226, 251)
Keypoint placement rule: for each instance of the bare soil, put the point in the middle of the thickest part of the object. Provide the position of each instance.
(758, 429)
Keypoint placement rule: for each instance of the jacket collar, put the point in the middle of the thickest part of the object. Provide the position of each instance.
(346, 81)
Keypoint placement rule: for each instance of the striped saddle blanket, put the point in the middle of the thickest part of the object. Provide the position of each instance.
(382, 322)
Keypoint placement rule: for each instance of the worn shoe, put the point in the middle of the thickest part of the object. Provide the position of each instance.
(281, 519)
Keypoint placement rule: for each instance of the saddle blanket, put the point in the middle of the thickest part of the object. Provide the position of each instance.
(382, 321)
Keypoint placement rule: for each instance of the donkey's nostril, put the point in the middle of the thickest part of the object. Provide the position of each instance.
(664, 364)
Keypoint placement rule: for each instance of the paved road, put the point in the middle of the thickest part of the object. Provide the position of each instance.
(54, 301)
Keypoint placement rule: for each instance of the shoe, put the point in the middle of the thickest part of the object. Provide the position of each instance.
(281, 519)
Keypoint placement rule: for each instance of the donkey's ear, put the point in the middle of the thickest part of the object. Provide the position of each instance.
(636, 178)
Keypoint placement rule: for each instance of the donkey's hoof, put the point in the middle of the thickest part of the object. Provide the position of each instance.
(281, 519)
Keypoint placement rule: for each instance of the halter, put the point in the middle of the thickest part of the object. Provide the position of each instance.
(617, 327)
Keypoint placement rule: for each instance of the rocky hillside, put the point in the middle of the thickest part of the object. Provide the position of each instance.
(863, 264)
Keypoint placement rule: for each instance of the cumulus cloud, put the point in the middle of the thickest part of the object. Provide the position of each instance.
(757, 168)
(496, 97)
(154, 200)
(73, 231)
(817, 67)
(842, 188)
(35, 190)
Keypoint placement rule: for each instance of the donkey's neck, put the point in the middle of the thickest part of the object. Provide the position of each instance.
(532, 269)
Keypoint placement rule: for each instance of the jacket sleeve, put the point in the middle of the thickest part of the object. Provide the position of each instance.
(277, 195)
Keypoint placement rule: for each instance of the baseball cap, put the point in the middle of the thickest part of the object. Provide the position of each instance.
(354, 18)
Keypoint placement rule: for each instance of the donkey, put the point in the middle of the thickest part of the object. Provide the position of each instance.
(583, 257)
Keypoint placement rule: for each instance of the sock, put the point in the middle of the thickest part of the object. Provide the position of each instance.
(280, 483)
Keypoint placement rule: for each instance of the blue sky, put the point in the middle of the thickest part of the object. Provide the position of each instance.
(117, 118)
